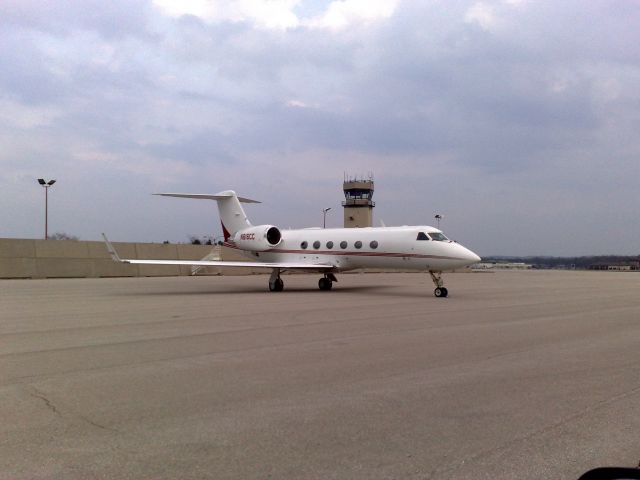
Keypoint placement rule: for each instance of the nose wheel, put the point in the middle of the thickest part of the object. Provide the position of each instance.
(440, 291)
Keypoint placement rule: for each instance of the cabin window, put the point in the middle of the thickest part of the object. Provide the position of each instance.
(374, 244)
(358, 244)
(438, 237)
(329, 245)
(422, 236)
(316, 244)
(304, 245)
(343, 244)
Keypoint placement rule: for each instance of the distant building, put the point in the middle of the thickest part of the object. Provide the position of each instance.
(502, 266)
(358, 204)
(616, 267)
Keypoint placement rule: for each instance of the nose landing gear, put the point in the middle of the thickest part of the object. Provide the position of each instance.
(440, 291)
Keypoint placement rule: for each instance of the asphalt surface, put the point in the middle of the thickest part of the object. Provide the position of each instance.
(517, 375)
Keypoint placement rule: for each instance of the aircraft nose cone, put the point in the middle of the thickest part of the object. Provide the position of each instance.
(473, 257)
(470, 257)
(466, 256)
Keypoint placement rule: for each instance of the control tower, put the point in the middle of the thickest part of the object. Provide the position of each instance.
(358, 204)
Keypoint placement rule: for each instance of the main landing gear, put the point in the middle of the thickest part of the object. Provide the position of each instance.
(277, 285)
(275, 282)
(440, 290)
(326, 282)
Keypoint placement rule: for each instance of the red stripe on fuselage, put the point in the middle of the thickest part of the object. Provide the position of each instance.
(362, 254)
(347, 253)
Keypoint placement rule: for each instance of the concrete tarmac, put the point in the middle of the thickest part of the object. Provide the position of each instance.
(517, 375)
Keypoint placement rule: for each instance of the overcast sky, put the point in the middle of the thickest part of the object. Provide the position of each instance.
(519, 121)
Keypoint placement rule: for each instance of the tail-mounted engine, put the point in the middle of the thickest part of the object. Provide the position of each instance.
(258, 239)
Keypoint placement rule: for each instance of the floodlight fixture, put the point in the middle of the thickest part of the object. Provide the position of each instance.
(324, 216)
(46, 186)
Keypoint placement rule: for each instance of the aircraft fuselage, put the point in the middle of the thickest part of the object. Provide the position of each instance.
(353, 248)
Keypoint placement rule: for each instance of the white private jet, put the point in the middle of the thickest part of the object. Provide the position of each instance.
(325, 250)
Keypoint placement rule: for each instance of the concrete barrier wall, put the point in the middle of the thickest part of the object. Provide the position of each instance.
(77, 259)
(21, 258)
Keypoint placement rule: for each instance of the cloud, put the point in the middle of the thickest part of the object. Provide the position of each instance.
(281, 14)
(511, 118)
(344, 13)
(264, 13)
(113, 20)
(481, 14)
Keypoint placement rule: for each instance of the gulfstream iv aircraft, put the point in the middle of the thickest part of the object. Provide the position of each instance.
(327, 251)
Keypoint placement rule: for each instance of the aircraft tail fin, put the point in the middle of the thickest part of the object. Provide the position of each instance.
(232, 214)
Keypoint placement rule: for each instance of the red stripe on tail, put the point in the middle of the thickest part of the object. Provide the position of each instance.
(225, 232)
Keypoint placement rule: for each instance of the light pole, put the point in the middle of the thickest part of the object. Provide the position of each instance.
(438, 217)
(46, 186)
(324, 216)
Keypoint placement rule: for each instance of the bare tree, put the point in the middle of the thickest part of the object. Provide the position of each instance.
(63, 236)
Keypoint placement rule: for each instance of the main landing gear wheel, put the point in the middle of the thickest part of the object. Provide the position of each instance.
(441, 292)
(275, 282)
(325, 283)
(276, 285)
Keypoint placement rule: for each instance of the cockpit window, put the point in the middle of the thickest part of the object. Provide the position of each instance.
(422, 236)
(438, 237)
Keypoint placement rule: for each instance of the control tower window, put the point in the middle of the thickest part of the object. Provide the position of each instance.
(358, 194)
(422, 236)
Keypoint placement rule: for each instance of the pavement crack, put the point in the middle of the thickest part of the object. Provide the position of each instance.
(35, 393)
(96, 424)
(39, 394)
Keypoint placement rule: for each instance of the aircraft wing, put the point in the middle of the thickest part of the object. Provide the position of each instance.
(217, 263)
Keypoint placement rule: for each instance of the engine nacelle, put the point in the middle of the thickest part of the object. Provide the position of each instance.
(258, 239)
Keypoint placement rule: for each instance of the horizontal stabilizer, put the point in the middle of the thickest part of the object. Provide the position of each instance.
(205, 196)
